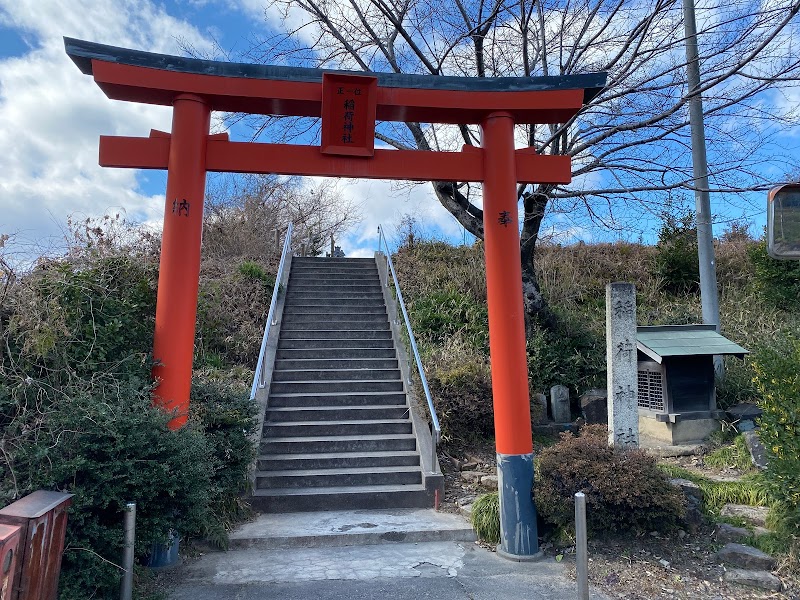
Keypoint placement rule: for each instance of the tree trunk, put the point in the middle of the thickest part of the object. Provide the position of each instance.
(534, 303)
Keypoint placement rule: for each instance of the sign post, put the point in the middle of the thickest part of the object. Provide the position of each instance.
(783, 222)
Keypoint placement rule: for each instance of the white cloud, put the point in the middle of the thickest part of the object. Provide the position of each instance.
(51, 115)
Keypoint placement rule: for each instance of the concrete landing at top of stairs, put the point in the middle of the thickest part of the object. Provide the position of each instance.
(351, 527)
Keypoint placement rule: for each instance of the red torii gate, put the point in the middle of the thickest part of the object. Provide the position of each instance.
(349, 104)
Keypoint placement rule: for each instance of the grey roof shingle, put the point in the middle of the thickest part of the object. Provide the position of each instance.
(684, 340)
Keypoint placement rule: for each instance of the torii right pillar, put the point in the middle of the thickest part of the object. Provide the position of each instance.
(512, 416)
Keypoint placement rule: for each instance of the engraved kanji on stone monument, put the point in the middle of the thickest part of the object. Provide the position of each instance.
(621, 363)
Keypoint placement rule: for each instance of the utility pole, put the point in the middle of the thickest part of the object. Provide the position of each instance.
(709, 297)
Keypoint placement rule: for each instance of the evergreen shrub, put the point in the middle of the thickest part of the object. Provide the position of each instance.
(76, 416)
(625, 490)
(675, 262)
(777, 281)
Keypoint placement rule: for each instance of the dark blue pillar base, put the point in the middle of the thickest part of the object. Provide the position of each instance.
(518, 532)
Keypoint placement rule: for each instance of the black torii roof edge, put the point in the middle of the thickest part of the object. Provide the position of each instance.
(82, 52)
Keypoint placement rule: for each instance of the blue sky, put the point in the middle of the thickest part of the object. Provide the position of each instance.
(51, 117)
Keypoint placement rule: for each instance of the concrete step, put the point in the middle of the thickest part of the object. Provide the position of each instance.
(335, 324)
(343, 385)
(335, 334)
(334, 353)
(331, 260)
(333, 268)
(335, 363)
(319, 275)
(323, 302)
(293, 414)
(342, 268)
(354, 318)
(331, 289)
(335, 460)
(347, 476)
(334, 297)
(341, 498)
(330, 529)
(331, 376)
(339, 443)
(327, 398)
(310, 343)
(351, 308)
(340, 428)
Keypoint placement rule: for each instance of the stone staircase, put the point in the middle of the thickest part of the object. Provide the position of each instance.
(338, 429)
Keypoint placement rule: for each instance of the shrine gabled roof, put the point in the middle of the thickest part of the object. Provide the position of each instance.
(659, 342)
(83, 53)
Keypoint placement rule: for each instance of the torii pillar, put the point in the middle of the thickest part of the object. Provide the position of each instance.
(512, 412)
(179, 268)
(349, 104)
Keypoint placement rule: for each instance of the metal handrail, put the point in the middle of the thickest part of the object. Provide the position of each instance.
(435, 427)
(258, 378)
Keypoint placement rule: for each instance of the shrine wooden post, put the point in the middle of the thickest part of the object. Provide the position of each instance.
(349, 104)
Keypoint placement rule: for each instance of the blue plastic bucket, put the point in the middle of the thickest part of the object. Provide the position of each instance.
(165, 555)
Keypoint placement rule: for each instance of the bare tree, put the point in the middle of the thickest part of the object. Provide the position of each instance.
(630, 146)
(243, 214)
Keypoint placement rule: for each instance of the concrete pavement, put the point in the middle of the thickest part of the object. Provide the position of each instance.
(320, 563)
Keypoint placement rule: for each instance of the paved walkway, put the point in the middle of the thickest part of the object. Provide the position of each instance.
(321, 567)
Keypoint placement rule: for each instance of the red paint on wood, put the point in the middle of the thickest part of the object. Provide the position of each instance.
(42, 520)
(179, 269)
(291, 159)
(9, 553)
(296, 98)
(512, 417)
(348, 114)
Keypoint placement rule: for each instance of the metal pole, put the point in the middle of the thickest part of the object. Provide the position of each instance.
(709, 298)
(581, 551)
(126, 588)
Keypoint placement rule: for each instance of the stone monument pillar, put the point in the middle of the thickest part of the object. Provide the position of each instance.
(623, 414)
(559, 404)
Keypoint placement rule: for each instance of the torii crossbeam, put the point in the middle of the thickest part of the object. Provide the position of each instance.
(349, 105)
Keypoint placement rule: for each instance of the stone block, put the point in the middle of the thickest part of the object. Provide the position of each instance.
(757, 579)
(746, 557)
(757, 515)
(758, 454)
(744, 411)
(472, 475)
(689, 488)
(539, 408)
(690, 431)
(594, 406)
(559, 404)
(726, 534)
(489, 481)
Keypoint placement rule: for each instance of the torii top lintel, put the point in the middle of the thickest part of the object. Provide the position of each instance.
(146, 77)
(151, 78)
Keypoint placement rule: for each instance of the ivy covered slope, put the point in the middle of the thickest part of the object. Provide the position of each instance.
(75, 398)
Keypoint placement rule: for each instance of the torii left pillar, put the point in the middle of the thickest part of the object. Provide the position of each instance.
(179, 270)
